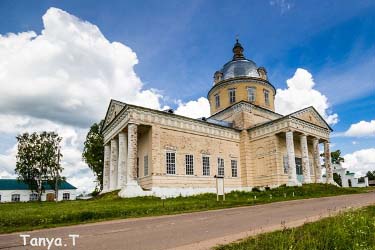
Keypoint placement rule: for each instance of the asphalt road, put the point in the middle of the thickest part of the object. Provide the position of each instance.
(200, 230)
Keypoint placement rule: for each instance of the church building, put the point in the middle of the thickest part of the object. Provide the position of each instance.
(153, 152)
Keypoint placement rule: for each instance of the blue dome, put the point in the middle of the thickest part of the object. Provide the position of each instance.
(238, 68)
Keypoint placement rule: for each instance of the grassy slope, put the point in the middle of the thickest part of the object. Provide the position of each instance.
(349, 230)
(31, 215)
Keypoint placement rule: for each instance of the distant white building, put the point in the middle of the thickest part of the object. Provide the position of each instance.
(349, 179)
(12, 190)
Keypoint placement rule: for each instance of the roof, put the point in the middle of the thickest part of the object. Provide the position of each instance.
(14, 184)
(126, 105)
(238, 68)
(292, 115)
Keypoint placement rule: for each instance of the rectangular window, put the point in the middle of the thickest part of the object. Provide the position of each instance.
(33, 197)
(251, 94)
(217, 100)
(171, 162)
(220, 166)
(232, 95)
(189, 164)
(285, 164)
(266, 97)
(66, 196)
(16, 197)
(145, 165)
(233, 164)
(206, 165)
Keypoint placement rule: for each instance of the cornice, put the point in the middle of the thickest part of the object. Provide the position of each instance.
(242, 79)
(289, 123)
(140, 115)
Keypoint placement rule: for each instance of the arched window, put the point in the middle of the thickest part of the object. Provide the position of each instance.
(266, 97)
(251, 94)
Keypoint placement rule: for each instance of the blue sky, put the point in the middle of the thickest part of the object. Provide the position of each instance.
(180, 44)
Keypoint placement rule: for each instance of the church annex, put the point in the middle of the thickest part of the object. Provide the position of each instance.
(152, 152)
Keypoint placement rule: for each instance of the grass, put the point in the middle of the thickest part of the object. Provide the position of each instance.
(33, 215)
(349, 230)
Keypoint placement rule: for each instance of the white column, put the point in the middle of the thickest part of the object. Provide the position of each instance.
(305, 160)
(292, 174)
(106, 172)
(132, 153)
(114, 164)
(122, 158)
(328, 164)
(317, 166)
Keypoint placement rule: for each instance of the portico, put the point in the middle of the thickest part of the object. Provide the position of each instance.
(120, 162)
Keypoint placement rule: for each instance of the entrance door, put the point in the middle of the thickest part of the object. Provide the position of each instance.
(50, 197)
(299, 169)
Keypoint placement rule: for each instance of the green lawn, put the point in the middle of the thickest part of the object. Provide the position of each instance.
(33, 215)
(346, 231)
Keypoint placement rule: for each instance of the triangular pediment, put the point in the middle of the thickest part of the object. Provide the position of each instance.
(113, 110)
(311, 115)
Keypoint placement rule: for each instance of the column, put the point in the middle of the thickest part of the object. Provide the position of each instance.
(106, 166)
(132, 153)
(292, 172)
(113, 164)
(305, 160)
(328, 164)
(122, 158)
(317, 167)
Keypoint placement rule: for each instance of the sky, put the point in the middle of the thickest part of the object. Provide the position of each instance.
(62, 61)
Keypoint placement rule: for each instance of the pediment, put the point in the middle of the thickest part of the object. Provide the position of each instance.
(312, 116)
(114, 109)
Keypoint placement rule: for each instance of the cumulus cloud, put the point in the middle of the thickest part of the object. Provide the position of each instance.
(68, 72)
(75, 169)
(194, 109)
(301, 94)
(361, 129)
(62, 80)
(360, 161)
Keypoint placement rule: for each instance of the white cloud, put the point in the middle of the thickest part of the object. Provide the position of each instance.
(62, 80)
(360, 161)
(75, 169)
(361, 129)
(301, 94)
(67, 73)
(284, 5)
(194, 109)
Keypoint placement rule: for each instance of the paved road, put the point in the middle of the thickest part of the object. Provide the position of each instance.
(200, 230)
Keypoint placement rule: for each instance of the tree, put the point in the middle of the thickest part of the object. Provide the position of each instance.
(37, 159)
(337, 179)
(93, 152)
(335, 157)
(371, 175)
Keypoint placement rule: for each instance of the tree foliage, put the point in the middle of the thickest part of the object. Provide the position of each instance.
(371, 175)
(337, 179)
(37, 159)
(93, 152)
(335, 157)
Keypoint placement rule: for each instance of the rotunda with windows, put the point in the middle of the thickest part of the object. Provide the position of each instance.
(241, 80)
